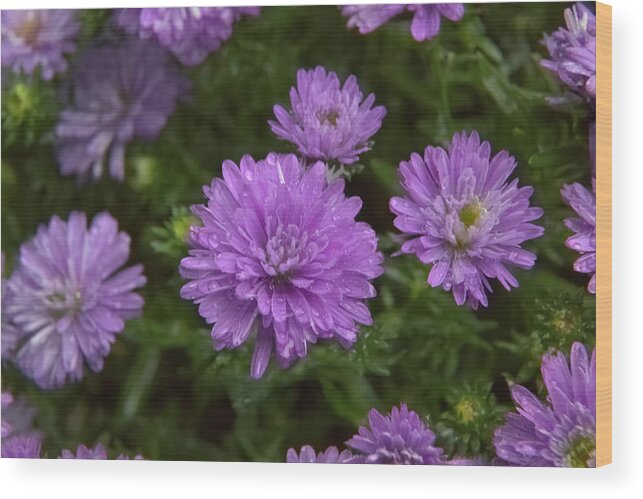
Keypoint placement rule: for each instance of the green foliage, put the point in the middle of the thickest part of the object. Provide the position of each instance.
(164, 391)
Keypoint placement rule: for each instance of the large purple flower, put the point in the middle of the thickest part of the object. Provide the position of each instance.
(8, 332)
(118, 92)
(400, 437)
(463, 217)
(573, 52)
(280, 254)
(308, 455)
(561, 432)
(328, 121)
(426, 17)
(191, 33)
(584, 226)
(38, 38)
(97, 452)
(68, 298)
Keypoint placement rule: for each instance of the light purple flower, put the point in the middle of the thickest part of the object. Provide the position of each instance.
(19, 439)
(328, 121)
(561, 432)
(97, 452)
(573, 52)
(69, 298)
(280, 255)
(426, 17)
(118, 93)
(8, 332)
(462, 216)
(400, 437)
(584, 227)
(21, 446)
(38, 38)
(191, 33)
(308, 455)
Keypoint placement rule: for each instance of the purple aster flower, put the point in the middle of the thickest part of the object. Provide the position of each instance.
(308, 455)
(191, 33)
(21, 446)
(561, 432)
(8, 332)
(328, 121)
(38, 38)
(463, 217)
(98, 452)
(584, 240)
(426, 17)
(280, 254)
(69, 298)
(573, 52)
(18, 437)
(118, 93)
(400, 437)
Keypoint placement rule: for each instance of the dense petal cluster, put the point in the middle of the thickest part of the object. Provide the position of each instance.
(21, 446)
(97, 452)
(34, 39)
(118, 93)
(426, 17)
(328, 121)
(280, 253)
(584, 227)
(68, 298)
(308, 455)
(8, 332)
(191, 33)
(572, 49)
(400, 437)
(561, 432)
(463, 217)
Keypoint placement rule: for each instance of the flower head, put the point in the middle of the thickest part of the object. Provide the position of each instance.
(8, 332)
(18, 437)
(400, 437)
(584, 227)
(280, 253)
(328, 121)
(308, 455)
(21, 446)
(426, 17)
(118, 93)
(97, 452)
(561, 432)
(572, 49)
(191, 33)
(463, 217)
(38, 38)
(68, 298)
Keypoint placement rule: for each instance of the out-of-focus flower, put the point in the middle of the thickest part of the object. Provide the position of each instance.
(328, 121)
(280, 255)
(572, 49)
(308, 455)
(464, 218)
(21, 446)
(426, 17)
(19, 439)
(584, 226)
(118, 93)
(562, 432)
(68, 298)
(97, 452)
(38, 39)
(400, 437)
(191, 33)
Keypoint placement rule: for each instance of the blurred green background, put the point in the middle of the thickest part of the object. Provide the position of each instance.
(164, 392)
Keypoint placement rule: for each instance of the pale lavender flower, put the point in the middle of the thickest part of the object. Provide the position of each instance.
(308, 455)
(400, 437)
(572, 49)
(97, 452)
(34, 39)
(328, 121)
(561, 432)
(8, 332)
(462, 216)
(426, 17)
(280, 255)
(118, 93)
(69, 298)
(191, 33)
(19, 439)
(584, 226)
(21, 446)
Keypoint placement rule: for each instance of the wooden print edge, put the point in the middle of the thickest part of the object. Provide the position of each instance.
(604, 234)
